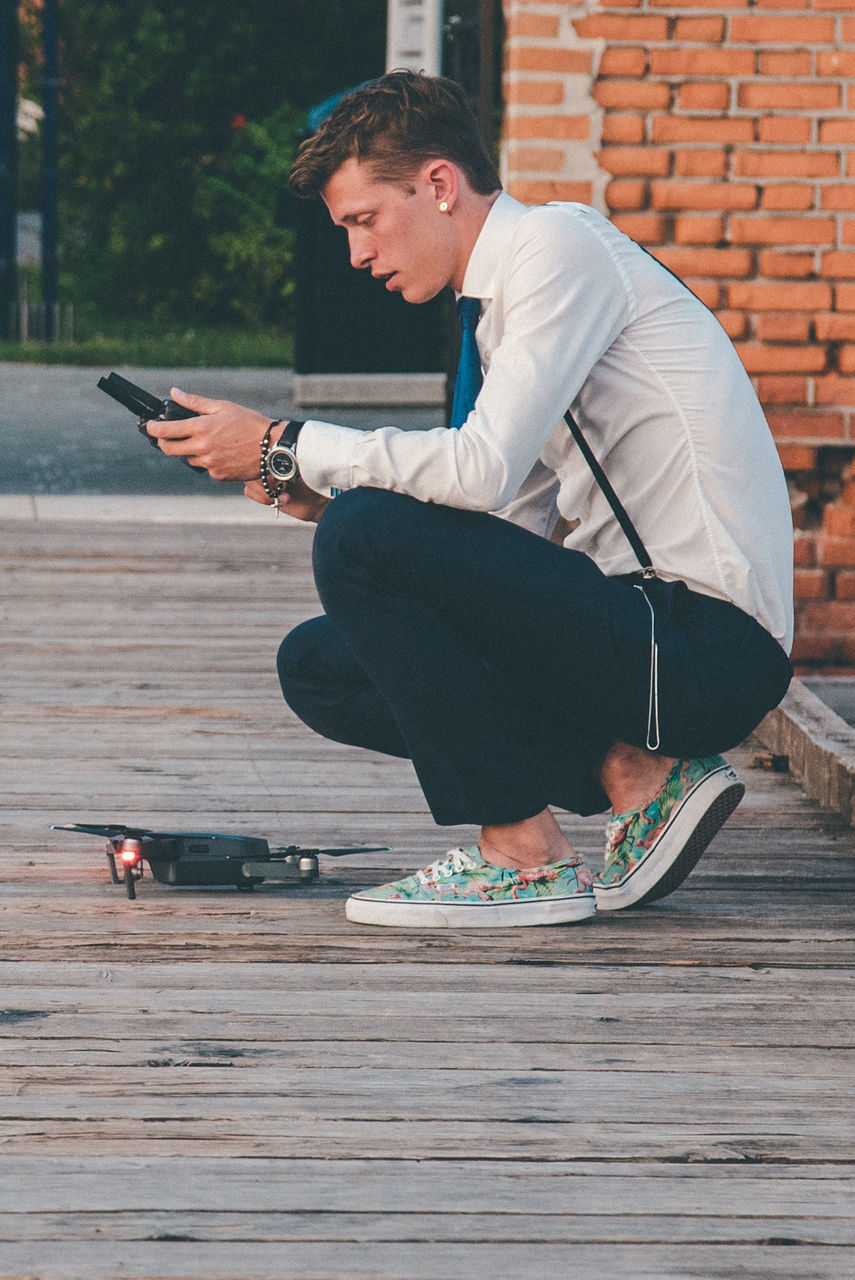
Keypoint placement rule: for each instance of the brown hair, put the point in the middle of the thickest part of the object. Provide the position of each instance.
(395, 124)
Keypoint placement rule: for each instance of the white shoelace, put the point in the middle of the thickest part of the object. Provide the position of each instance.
(455, 861)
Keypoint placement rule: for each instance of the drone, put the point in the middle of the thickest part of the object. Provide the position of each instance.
(203, 858)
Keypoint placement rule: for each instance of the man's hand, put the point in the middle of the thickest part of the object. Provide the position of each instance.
(225, 439)
(298, 500)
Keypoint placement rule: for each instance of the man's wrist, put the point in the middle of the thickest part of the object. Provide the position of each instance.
(281, 458)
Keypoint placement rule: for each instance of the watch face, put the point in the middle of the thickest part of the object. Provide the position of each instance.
(282, 463)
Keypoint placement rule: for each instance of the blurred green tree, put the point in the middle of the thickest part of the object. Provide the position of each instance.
(177, 125)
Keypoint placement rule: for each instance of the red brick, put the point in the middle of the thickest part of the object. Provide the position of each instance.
(761, 230)
(626, 194)
(806, 424)
(844, 584)
(844, 297)
(697, 4)
(846, 359)
(839, 263)
(635, 160)
(787, 195)
(804, 549)
(734, 323)
(620, 29)
(622, 95)
(791, 62)
(701, 163)
(835, 62)
(540, 190)
(763, 296)
(786, 164)
(623, 128)
(773, 327)
(835, 552)
(710, 294)
(797, 457)
(813, 648)
(848, 30)
(702, 95)
(835, 327)
(537, 159)
(834, 389)
(698, 229)
(780, 264)
(800, 31)
(811, 584)
(837, 198)
(774, 389)
(646, 228)
(538, 126)
(703, 129)
(790, 97)
(837, 131)
(848, 230)
(786, 129)
(623, 62)
(829, 615)
(839, 520)
(544, 58)
(760, 357)
(547, 93)
(699, 30)
(708, 262)
(702, 62)
(533, 25)
(703, 195)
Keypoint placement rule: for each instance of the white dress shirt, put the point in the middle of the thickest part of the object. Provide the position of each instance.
(576, 314)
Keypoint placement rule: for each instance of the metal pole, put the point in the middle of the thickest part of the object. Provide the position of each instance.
(8, 164)
(50, 253)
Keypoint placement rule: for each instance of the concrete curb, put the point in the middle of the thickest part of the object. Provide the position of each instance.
(139, 508)
(820, 746)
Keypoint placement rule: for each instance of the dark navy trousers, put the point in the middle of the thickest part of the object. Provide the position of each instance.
(503, 665)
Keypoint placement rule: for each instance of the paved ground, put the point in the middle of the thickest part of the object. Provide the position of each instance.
(61, 435)
(205, 1084)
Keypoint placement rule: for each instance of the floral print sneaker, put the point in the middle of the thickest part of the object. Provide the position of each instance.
(461, 890)
(650, 851)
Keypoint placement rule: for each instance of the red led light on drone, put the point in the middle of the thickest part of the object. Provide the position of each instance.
(130, 852)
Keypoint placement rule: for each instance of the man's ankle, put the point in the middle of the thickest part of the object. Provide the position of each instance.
(534, 842)
(631, 776)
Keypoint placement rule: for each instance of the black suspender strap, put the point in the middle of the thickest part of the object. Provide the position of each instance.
(642, 555)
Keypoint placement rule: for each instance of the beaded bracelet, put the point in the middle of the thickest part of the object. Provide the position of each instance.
(273, 494)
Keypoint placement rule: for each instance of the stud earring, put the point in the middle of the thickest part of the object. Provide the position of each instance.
(443, 206)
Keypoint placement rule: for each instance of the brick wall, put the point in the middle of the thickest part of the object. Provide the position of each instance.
(720, 136)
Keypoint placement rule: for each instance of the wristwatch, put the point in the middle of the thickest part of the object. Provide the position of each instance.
(282, 456)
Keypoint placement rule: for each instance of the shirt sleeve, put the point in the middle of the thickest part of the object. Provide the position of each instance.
(562, 298)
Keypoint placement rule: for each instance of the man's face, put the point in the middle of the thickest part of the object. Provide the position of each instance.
(395, 229)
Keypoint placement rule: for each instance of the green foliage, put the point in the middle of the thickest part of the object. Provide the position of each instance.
(240, 203)
(143, 346)
(168, 213)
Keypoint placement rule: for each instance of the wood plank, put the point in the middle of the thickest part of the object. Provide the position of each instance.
(666, 1091)
(176, 1260)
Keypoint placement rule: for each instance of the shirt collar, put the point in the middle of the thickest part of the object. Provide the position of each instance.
(487, 255)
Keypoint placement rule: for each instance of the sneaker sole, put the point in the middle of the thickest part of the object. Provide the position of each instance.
(700, 815)
(448, 915)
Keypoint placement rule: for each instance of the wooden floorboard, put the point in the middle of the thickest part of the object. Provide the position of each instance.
(207, 1085)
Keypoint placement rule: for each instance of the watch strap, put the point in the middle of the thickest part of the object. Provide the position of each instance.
(289, 435)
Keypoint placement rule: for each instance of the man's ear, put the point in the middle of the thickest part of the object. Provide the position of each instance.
(443, 178)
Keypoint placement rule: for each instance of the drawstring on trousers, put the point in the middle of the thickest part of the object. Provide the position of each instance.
(653, 739)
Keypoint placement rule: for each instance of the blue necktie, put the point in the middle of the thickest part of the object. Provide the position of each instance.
(469, 376)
